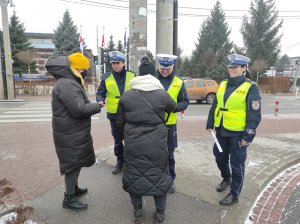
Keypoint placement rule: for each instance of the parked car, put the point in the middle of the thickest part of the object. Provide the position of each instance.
(201, 89)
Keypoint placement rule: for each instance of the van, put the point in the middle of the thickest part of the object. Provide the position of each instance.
(201, 89)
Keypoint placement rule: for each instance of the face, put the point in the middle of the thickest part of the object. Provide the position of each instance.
(236, 70)
(165, 72)
(117, 66)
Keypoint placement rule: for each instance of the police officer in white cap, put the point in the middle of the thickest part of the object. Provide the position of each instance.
(176, 88)
(113, 84)
(234, 116)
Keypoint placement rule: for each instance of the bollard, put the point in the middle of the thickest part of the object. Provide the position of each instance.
(276, 107)
(297, 92)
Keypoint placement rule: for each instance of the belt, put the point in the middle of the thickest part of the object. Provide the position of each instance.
(144, 125)
(223, 109)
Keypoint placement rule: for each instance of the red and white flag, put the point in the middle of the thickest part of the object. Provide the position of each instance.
(81, 40)
(102, 43)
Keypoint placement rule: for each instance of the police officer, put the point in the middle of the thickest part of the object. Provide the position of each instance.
(112, 86)
(176, 88)
(235, 115)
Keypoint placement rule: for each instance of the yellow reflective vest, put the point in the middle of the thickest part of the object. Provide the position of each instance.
(234, 111)
(113, 93)
(173, 91)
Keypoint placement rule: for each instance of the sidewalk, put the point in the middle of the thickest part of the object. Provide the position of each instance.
(31, 164)
(195, 200)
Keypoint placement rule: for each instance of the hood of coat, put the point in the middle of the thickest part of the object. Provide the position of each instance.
(146, 83)
(60, 68)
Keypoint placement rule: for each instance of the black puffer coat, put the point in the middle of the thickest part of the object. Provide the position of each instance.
(71, 119)
(145, 135)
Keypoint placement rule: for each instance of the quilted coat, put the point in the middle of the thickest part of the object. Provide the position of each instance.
(71, 117)
(145, 136)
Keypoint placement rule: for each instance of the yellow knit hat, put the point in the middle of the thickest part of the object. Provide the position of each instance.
(79, 61)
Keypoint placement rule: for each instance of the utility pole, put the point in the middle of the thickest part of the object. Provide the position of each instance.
(2, 94)
(137, 32)
(99, 57)
(7, 52)
(296, 77)
(175, 33)
(164, 26)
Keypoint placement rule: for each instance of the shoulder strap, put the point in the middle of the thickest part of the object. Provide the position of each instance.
(163, 120)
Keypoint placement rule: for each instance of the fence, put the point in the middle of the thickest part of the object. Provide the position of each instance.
(274, 84)
(39, 87)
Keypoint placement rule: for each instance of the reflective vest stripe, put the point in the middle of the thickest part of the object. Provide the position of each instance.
(113, 93)
(234, 111)
(173, 92)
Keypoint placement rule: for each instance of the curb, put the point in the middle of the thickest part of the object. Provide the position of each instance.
(239, 212)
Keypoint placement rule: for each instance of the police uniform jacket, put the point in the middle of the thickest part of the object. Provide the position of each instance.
(145, 136)
(71, 118)
(253, 110)
(102, 91)
(182, 100)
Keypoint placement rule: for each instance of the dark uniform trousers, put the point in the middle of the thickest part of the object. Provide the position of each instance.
(118, 146)
(171, 149)
(232, 155)
(159, 200)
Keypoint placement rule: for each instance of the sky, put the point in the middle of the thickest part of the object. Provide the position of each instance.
(43, 16)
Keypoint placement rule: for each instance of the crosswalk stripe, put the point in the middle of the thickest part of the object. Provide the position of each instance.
(26, 111)
(29, 112)
(33, 120)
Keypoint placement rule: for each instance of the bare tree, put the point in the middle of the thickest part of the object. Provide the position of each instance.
(258, 66)
(27, 57)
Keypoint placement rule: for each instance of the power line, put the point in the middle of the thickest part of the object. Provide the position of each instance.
(105, 5)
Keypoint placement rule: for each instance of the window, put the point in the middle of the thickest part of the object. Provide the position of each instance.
(200, 83)
(210, 83)
(189, 84)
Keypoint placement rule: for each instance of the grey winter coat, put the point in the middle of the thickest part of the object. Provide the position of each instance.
(145, 135)
(71, 119)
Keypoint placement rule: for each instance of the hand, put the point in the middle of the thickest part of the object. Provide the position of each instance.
(244, 143)
(210, 129)
(101, 103)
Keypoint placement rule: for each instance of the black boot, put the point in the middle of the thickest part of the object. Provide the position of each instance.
(223, 185)
(71, 202)
(159, 215)
(80, 191)
(117, 169)
(138, 213)
(229, 200)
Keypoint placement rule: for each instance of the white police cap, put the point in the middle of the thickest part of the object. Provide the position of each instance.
(237, 59)
(166, 60)
(116, 56)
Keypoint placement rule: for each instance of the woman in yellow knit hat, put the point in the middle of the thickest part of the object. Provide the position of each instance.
(71, 123)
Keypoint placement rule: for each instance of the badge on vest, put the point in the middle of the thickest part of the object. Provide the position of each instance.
(256, 105)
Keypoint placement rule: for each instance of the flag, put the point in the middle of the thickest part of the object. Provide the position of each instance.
(81, 40)
(125, 39)
(102, 43)
(81, 43)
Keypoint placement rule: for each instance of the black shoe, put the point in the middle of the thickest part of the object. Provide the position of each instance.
(159, 215)
(71, 202)
(223, 185)
(229, 200)
(117, 169)
(80, 191)
(138, 213)
(171, 189)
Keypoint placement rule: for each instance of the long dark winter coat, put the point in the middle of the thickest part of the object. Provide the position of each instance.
(71, 119)
(145, 135)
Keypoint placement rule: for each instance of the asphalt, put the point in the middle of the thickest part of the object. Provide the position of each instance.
(275, 149)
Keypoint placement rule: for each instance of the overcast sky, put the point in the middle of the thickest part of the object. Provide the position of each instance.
(43, 16)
